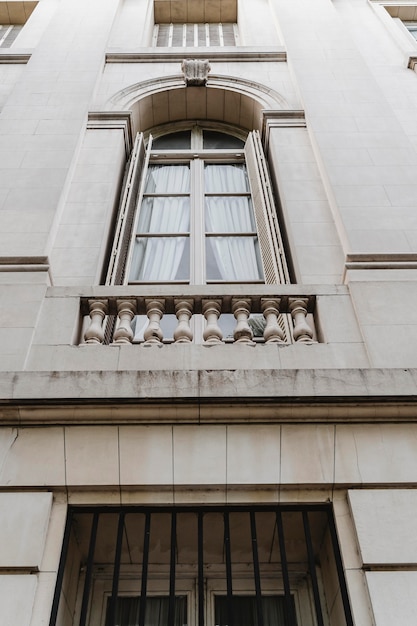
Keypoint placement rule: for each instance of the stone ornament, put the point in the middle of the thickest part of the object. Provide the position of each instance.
(195, 72)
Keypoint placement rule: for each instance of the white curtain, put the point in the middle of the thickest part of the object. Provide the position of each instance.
(156, 612)
(236, 257)
(159, 258)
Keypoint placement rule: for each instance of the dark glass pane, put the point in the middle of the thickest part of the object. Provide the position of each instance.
(213, 140)
(156, 614)
(173, 141)
(244, 610)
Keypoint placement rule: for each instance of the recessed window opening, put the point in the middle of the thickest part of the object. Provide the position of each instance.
(200, 566)
(8, 34)
(196, 222)
(412, 28)
(194, 35)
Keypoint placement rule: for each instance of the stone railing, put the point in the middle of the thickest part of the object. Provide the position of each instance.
(261, 314)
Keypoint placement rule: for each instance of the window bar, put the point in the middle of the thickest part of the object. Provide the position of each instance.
(312, 568)
(289, 607)
(200, 570)
(221, 39)
(145, 562)
(184, 35)
(207, 35)
(61, 569)
(116, 570)
(4, 37)
(339, 567)
(89, 570)
(171, 606)
(256, 569)
(170, 35)
(230, 616)
(195, 35)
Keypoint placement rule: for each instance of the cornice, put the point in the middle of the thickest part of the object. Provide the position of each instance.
(114, 120)
(175, 55)
(220, 396)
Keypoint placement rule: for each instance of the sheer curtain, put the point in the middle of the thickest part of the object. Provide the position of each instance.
(236, 257)
(156, 612)
(159, 258)
(245, 613)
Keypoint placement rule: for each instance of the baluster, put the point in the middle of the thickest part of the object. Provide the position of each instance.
(126, 310)
(302, 331)
(212, 333)
(98, 311)
(273, 333)
(154, 310)
(241, 311)
(183, 311)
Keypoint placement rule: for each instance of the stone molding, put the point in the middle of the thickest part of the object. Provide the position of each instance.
(24, 264)
(111, 120)
(381, 261)
(14, 58)
(142, 55)
(268, 396)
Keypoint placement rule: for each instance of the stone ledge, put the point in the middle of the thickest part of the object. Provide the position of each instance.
(197, 396)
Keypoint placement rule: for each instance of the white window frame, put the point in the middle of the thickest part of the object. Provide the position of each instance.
(129, 586)
(270, 241)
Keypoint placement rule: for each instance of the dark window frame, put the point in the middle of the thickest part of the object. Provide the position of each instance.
(200, 511)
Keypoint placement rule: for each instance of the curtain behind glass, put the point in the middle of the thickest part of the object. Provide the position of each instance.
(244, 611)
(156, 614)
(161, 258)
(236, 258)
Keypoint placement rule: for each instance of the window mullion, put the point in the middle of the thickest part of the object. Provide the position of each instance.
(198, 253)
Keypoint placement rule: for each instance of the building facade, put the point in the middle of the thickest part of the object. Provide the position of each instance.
(208, 278)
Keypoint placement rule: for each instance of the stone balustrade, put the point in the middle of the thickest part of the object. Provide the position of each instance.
(257, 315)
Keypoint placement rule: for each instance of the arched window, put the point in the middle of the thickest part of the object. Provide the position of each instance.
(197, 208)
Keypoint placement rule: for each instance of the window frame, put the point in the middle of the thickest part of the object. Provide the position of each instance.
(197, 159)
(123, 579)
(271, 246)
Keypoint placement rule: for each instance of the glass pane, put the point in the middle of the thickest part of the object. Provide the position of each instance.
(226, 178)
(245, 614)
(161, 259)
(164, 215)
(173, 141)
(213, 140)
(141, 322)
(229, 214)
(233, 258)
(168, 179)
(156, 612)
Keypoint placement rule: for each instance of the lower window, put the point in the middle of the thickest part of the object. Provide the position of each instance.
(201, 566)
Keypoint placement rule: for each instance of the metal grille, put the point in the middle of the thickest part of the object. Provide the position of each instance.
(195, 35)
(8, 34)
(284, 542)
